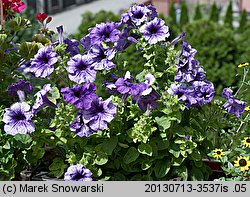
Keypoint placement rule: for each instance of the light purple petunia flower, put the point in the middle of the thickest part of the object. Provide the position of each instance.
(100, 114)
(19, 89)
(80, 69)
(42, 65)
(17, 119)
(86, 42)
(104, 32)
(42, 99)
(233, 105)
(139, 14)
(155, 31)
(79, 127)
(78, 173)
(101, 58)
(227, 93)
(80, 96)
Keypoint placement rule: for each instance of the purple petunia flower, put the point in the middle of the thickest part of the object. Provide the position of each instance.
(233, 105)
(17, 119)
(42, 99)
(86, 42)
(189, 68)
(42, 65)
(78, 173)
(104, 32)
(139, 14)
(227, 93)
(100, 114)
(126, 39)
(101, 58)
(177, 39)
(80, 96)
(155, 31)
(72, 44)
(204, 92)
(19, 89)
(79, 127)
(185, 93)
(80, 69)
(147, 101)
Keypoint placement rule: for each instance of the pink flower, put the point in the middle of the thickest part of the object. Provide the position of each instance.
(18, 6)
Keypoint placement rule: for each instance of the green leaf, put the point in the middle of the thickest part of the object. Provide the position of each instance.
(23, 138)
(146, 165)
(145, 149)
(101, 158)
(6, 145)
(162, 167)
(182, 172)
(131, 155)
(19, 23)
(57, 167)
(108, 145)
(28, 49)
(163, 144)
(163, 122)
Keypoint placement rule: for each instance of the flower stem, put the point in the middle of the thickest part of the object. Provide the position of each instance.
(243, 81)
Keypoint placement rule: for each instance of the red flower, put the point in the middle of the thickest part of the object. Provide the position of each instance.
(41, 17)
(15, 5)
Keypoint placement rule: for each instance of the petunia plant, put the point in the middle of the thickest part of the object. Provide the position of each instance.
(77, 109)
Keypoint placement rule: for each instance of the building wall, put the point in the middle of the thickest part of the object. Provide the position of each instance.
(246, 5)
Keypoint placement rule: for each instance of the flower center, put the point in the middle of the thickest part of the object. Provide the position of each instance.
(248, 140)
(218, 152)
(82, 66)
(153, 29)
(77, 94)
(19, 116)
(77, 176)
(242, 162)
(138, 15)
(44, 59)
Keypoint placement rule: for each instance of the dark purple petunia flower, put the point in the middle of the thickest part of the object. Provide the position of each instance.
(155, 31)
(204, 92)
(189, 68)
(19, 89)
(17, 119)
(101, 58)
(234, 106)
(185, 93)
(78, 173)
(42, 99)
(104, 32)
(72, 44)
(227, 93)
(86, 42)
(79, 127)
(126, 39)
(148, 101)
(80, 96)
(100, 114)
(42, 65)
(80, 69)
(139, 14)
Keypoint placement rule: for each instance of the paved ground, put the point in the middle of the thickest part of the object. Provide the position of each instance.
(71, 18)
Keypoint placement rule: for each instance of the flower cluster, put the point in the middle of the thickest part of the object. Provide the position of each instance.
(193, 90)
(233, 105)
(16, 5)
